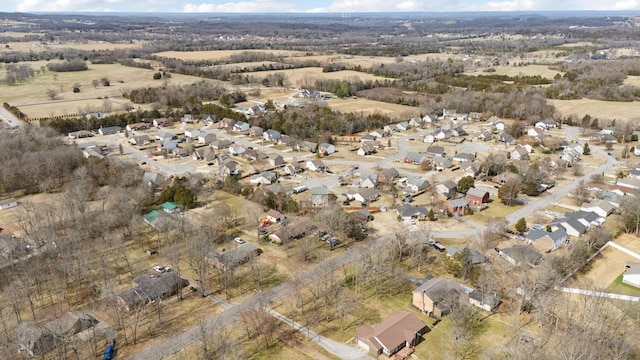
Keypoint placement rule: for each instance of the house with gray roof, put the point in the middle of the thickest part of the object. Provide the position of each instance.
(519, 255)
(151, 288)
(231, 258)
(410, 212)
(483, 300)
(546, 241)
(434, 296)
(458, 206)
(415, 158)
(447, 189)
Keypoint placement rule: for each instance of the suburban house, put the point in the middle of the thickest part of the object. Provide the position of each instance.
(367, 138)
(187, 119)
(231, 258)
(462, 157)
(429, 138)
(153, 179)
(535, 132)
(160, 122)
(447, 189)
(474, 116)
(315, 165)
(410, 212)
(366, 195)
(415, 158)
(477, 257)
(401, 329)
(430, 297)
(456, 206)
(80, 134)
(507, 139)
(546, 241)
(204, 153)
(206, 138)
(8, 203)
(601, 207)
(470, 168)
(236, 149)
(170, 207)
(137, 126)
(264, 178)
(274, 216)
(256, 131)
(295, 230)
(415, 184)
(163, 136)
(444, 134)
(159, 220)
(403, 126)
(241, 126)
(167, 145)
(226, 124)
(109, 130)
(609, 139)
(520, 153)
(220, 144)
(287, 141)
(476, 196)
(505, 177)
(180, 152)
(632, 275)
(607, 131)
(519, 255)
(151, 288)
(430, 118)
(37, 339)
(320, 196)
(628, 184)
(577, 223)
(209, 119)
(440, 162)
(483, 300)
(140, 140)
(367, 148)
(271, 135)
(292, 168)
(325, 148)
(435, 151)
(276, 160)
(387, 175)
(228, 168)
(192, 133)
(368, 180)
(485, 135)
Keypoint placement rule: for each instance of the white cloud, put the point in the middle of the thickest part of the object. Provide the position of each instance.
(627, 5)
(244, 6)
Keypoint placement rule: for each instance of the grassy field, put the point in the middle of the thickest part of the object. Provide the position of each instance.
(618, 287)
(308, 76)
(496, 210)
(530, 70)
(88, 46)
(32, 98)
(220, 54)
(597, 109)
(632, 80)
(366, 107)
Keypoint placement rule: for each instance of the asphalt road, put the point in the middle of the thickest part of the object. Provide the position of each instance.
(10, 118)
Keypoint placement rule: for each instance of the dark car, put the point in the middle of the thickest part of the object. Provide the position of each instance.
(143, 163)
(346, 203)
(328, 171)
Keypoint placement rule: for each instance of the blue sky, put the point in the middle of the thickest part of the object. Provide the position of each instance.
(258, 6)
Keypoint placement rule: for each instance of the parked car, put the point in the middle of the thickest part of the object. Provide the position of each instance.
(161, 269)
(143, 163)
(108, 352)
(239, 240)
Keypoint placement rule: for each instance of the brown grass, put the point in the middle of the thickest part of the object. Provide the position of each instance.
(530, 70)
(604, 110)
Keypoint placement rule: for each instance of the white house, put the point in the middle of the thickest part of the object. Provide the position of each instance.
(607, 131)
(8, 203)
(241, 126)
(315, 165)
(140, 140)
(632, 275)
(325, 148)
(429, 139)
(541, 125)
(236, 149)
(601, 207)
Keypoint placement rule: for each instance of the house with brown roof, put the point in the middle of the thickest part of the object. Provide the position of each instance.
(274, 216)
(401, 329)
(37, 339)
(430, 297)
(386, 175)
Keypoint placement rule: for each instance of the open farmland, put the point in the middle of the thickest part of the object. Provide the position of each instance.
(88, 46)
(368, 61)
(606, 110)
(220, 54)
(530, 70)
(32, 98)
(367, 107)
(308, 76)
(632, 80)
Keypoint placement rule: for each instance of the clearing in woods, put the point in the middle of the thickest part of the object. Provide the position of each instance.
(308, 76)
(530, 70)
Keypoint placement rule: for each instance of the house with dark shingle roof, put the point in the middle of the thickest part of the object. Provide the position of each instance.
(483, 300)
(150, 288)
(231, 258)
(519, 255)
(408, 212)
(458, 206)
(546, 241)
(476, 196)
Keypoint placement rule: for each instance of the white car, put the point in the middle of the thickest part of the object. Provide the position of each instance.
(162, 269)
(239, 240)
(548, 212)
